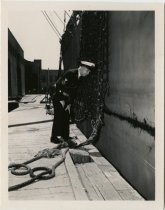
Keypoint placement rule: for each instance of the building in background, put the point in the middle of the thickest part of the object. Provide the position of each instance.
(38, 80)
(32, 76)
(25, 77)
(47, 78)
(16, 68)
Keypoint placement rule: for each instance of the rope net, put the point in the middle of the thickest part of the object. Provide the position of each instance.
(89, 102)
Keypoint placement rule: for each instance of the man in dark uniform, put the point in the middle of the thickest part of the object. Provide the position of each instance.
(63, 93)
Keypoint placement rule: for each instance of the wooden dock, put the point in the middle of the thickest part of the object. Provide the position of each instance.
(85, 174)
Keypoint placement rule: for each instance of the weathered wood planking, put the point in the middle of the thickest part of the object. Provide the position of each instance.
(78, 189)
(89, 147)
(29, 194)
(109, 171)
(40, 194)
(99, 181)
(92, 191)
(74, 130)
(120, 184)
(130, 195)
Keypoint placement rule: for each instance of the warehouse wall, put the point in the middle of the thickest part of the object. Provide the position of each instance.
(32, 77)
(16, 69)
(127, 139)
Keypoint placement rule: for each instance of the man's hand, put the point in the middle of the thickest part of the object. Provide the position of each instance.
(62, 103)
(68, 108)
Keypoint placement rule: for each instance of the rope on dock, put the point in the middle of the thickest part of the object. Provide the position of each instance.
(46, 173)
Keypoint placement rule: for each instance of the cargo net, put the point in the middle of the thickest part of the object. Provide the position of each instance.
(89, 102)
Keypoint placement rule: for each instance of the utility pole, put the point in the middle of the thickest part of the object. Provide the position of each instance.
(48, 80)
(60, 63)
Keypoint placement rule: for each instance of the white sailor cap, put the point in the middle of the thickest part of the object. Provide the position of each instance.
(87, 64)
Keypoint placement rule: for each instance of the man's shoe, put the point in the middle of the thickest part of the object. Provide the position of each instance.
(55, 140)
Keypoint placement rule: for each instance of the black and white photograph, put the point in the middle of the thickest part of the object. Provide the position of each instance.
(81, 111)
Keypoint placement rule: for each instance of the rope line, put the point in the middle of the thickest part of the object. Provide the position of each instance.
(51, 25)
(46, 173)
(58, 16)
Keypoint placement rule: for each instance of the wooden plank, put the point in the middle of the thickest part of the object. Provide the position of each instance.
(98, 180)
(119, 183)
(48, 194)
(78, 189)
(92, 192)
(74, 131)
(79, 134)
(81, 138)
(89, 147)
(112, 175)
(62, 193)
(116, 179)
(28, 194)
(73, 126)
(63, 189)
(106, 168)
(130, 195)
(61, 196)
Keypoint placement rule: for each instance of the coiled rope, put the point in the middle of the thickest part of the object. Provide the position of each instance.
(46, 173)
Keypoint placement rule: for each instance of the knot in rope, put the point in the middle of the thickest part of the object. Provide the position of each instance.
(46, 173)
(48, 153)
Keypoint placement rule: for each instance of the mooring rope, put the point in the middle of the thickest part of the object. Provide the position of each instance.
(47, 173)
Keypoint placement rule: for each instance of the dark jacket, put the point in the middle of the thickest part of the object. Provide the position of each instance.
(65, 87)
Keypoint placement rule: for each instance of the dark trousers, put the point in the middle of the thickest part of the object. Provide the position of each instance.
(61, 121)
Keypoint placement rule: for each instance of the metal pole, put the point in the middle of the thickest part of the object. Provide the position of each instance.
(60, 60)
(60, 63)
(48, 78)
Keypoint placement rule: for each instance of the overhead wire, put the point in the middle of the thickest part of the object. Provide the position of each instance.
(58, 17)
(53, 24)
(64, 20)
(67, 14)
(70, 18)
(53, 19)
(59, 36)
